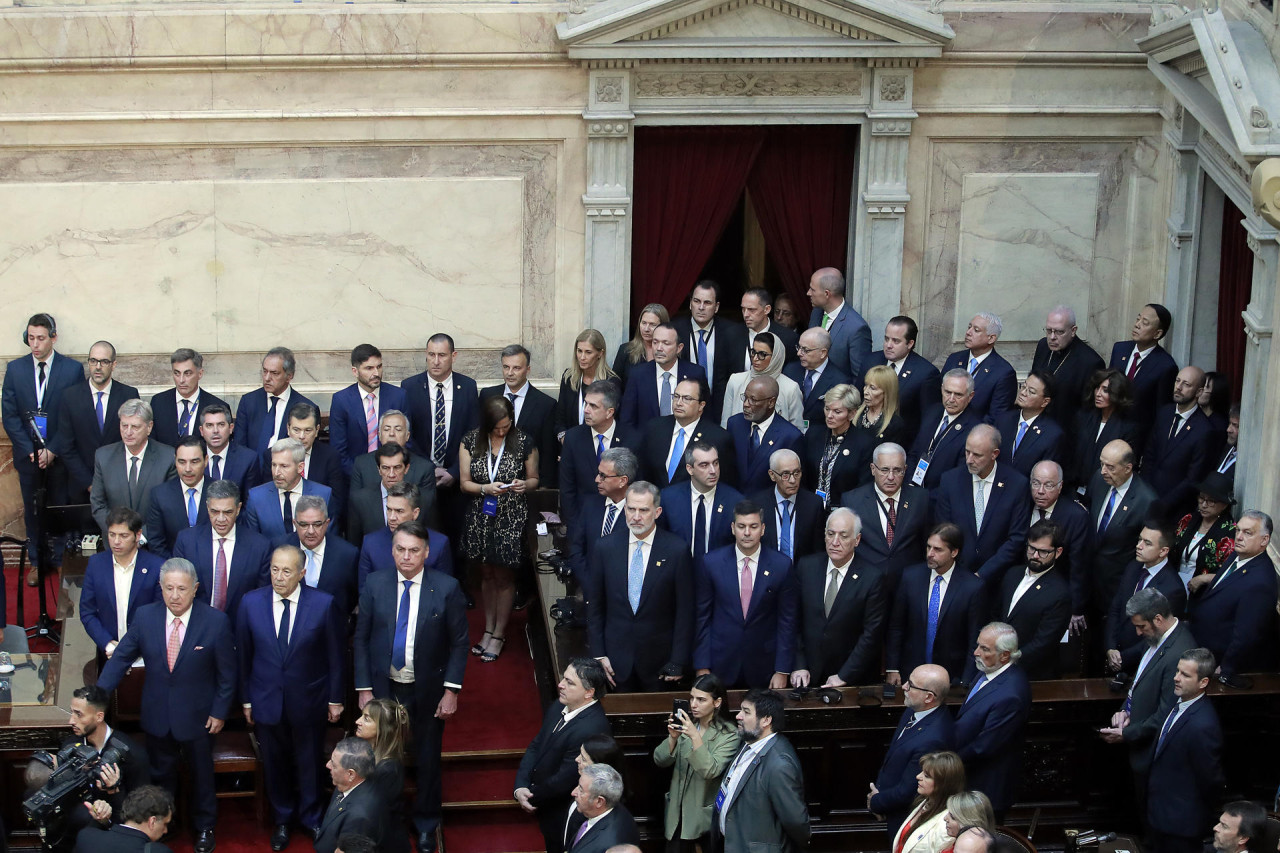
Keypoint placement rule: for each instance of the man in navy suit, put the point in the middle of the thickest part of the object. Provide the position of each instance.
(124, 568)
(356, 809)
(651, 384)
(757, 316)
(991, 723)
(1036, 603)
(1071, 361)
(177, 410)
(797, 528)
(850, 334)
(269, 507)
(189, 652)
(442, 406)
(330, 562)
(1150, 569)
(1074, 530)
(394, 429)
(712, 342)
(699, 511)
(995, 383)
(230, 558)
(747, 601)
(124, 473)
(939, 445)
(288, 639)
(895, 517)
(639, 594)
(1186, 782)
(988, 499)
(1030, 434)
(424, 610)
(926, 726)
(937, 610)
(1181, 447)
(603, 514)
(354, 412)
(1148, 366)
(584, 444)
(368, 506)
(321, 464)
(228, 460)
(757, 431)
(376, 552)
(814, 372)
(178, 503)
(83, 430)
(535, 410)
(665, 439)
(599, 821)
(260, 416)
(33, 388)
(919, 382)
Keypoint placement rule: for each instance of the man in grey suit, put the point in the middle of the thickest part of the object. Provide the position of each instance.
(124, 473)
(761, 802)
(850, 335)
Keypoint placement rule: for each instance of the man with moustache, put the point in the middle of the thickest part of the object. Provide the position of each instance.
(89, 727)
(1065, 356)
(1037, 603)
(89, 415)
(662, 449)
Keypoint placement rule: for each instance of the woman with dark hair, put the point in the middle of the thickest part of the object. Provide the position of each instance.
(640, 348)
(498, 467)
(785, 313)
(383, 724)
(588, 365)
(1215, 400)
(925, 829)
(1107, 402)
(1205, 539)
(700, 744)
(600, 749)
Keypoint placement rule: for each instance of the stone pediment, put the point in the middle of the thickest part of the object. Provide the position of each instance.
(683, 30)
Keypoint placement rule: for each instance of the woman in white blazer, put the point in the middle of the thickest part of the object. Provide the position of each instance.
(925, 829)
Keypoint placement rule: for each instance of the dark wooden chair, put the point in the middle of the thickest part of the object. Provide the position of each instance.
(1011, 841)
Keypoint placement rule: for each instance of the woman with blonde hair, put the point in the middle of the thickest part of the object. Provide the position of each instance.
(383, 724)
(767, 358)
(836, 456)
(878, 417)
(925, 829)
(587, 366)
(639, 349)
(967, 809)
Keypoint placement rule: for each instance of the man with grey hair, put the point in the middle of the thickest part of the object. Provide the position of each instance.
(269, 507)
(894, 513)
(604, 513)
(995, 383)
(393, 426)
(356, 807)
(939, 445)
(794, 519)
(330, 563)
(814, 372)
(598, 820)
(1063, 354)
(189, 652)
(230, 558)
(124, 473)
(640, 600)
(991, 723)
(177, 410)
(260, 416)
(535, 410)
(850, 334)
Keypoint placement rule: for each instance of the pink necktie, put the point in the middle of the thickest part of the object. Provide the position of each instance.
(220, 578)
(746, 586)
(371, 422)
(175, 642)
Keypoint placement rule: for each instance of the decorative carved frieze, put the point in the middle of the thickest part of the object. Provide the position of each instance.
(609, 90)
(781, 6)
(608, 129)
(1221, 156)
(893, 88)
(789, 84)
(891, 128)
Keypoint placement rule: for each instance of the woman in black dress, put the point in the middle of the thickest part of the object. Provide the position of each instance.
(1107, 401)
(835, 454)
(1206, 538)
(877, 418)
(383, 724)
(589, 364)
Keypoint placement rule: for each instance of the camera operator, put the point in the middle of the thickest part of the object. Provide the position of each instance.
(144, 817)
(59, 834)
(88, 726)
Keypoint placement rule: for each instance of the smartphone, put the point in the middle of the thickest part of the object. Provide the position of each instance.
(504, 485)
(678, 705)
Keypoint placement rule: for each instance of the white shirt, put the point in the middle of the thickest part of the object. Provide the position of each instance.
(621, 504)
(587, 824)
(1151, 652)
(1151, 571)
(764, 428)
(405, 676)
(35, 373)
(711, 346)
(1138, 355)
(897, 364)
(736, 771)
(445, 385)
(294, 494)
(1028, 580)
(1182, 417)
(277, 609)
(1178, 709)
(833, 313)
(199, 487)
(840, 571)
(193, 409)
(709, 502)
(518, 404)
(990, 678)
(817, 373)
(567, 716)
(128, 459)
(1106, 498)
(105, 391)
(919, 715)
(753, 565)
(123, 577)
(978, 358)
(221, 456)
(282, 411)
(1048, 511)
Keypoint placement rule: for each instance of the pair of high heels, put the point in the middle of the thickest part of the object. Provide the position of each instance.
(479, 648)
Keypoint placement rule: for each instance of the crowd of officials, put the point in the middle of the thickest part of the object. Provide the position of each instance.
(749, 505)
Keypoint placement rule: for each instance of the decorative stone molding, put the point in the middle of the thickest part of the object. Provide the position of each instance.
(893, 87)
(785, 84)
(1223, 158)
(791, 10)
(607, 129)
(609, 90)
(891, 128)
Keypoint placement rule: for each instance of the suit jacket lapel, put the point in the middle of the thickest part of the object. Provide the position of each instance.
(188, 639)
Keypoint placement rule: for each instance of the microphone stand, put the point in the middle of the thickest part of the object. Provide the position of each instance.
(46, 626)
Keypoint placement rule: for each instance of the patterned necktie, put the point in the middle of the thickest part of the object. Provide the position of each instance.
(401, 642)
(184, 422)
(973, 365)
(439, 437)
(175, 642)
(935, 604)
(635, 576)
(1022, 430)
(893, 522)
(979, 506)
(282, 635)
(220, 577)
(1106, 512)
(192, 512)
(677, 456)
(808, 383)
(784, 534)
(609, 518)
(700, 527)
(102, 414)
(664, 396)
(745, 584)
(370, 423)
(833, 589)
(1134, 361)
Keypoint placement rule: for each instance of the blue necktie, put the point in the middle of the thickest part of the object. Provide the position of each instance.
(784, 536)
(700, 527)
(313, 572)
(610, 517)
(184, 425)
(402, 630)
(755, 437)
(191, 508)
(599, 447)
(935, 604)
(1022, 430)
(973, 365)
(282, 636)
(635, 576)
(702, 353)
(677, 453)
(982, 679)
(808, 383)
(1168, 724)
(102, 415)
(1106, 513)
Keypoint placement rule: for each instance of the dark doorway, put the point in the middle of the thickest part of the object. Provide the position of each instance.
(1235, 282)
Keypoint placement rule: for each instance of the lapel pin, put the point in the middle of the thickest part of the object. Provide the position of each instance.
(956, 427)
(144, 571)
(855, 577)
(904, 504)
(766, 574)
(1037, 586)
(659, 563)
(845, 452)
(771, 442)
(999, 485)
(1125, 508)
(720, 508)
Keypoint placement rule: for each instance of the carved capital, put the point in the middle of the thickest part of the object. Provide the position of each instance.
(893, 87)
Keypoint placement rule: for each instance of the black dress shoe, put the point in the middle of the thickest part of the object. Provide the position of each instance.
(280, 837)
(204, 841)
(426, 842)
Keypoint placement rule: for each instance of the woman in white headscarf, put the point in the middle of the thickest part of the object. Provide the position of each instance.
(767, 358)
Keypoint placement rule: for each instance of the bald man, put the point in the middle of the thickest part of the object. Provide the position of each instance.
(757, 431)
(1181, 447)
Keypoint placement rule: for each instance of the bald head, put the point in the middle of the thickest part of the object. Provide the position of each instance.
(981, 449)
(760, 399)
(1187, 386)
(1046, 483)
(1116, 463)
(933, 682)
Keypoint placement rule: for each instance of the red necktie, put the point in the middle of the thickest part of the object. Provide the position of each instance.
(1133, 365)
(893, 521)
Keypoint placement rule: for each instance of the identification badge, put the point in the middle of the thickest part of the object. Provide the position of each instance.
(490, 505)
(922, 467)
(42, 424)
(822, 495)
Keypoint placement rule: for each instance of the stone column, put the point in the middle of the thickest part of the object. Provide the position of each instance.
(610, 150)
(1186, 198)
(1259, 447)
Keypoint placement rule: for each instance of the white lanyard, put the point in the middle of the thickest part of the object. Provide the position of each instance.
(494, 463)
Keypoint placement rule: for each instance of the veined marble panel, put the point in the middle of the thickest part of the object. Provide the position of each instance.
(1022, 229)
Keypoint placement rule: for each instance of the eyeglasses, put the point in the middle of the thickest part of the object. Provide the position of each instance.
(1056, 333)
(310, 525)
(1039, 485)
(907, 685)
(757, 401)
(1040, 552)
(806, 350)
(600, 475)
(101, 362)
(897, 472)
(786, 475)
(683, 398)
(760, 355)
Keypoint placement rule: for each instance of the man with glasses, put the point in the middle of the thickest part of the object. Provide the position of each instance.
(814, 372)
(584, 444)
(758, 431)
(1030, 437)
(604, 513)
(896, 514)
(1064, 355)
(699, 510)
(1072, 521)
(1037, 603)
(795, 525)
(667, 438)
(331, 563)
(89, 414)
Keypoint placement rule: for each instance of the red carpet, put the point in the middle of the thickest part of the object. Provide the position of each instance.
(15, 585)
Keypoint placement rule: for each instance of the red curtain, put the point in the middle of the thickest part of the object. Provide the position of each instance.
(1235, 282)
(688, 180)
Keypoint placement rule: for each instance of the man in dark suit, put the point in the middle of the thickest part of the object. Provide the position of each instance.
(230, 559)
(700, 510)
(1233, 615)
(548, 771)
(393, 428)
(1150, 569)
(599, 820)
(269, 507)
(1119, 503)
(124, 473)
(1036, 602)
(919, 382)
(228, 460)
(1075, 531)
(442, 405)
(584, 444)
(1027, 431)
(122, 567)
(761, 800)
(288, 638)
(757, 316)
(796, 530)
(320, 464)
(995, 383)
(1186, 783)
(376, 552)
(991, 723)
(651, 384)
(32, 394)
(330, 562)
(178, 503)
(712, 342)
(937, 610)
(603, 515)
(189, 652)
(535, 410)
(895, 517)
(843, 610)
(83, 429)
(355, 411)
(355, 806)
(1065, 356)
(925, 726)
(1180, 448)
(988, 499)
(89, 727)
(1148, 366)
(757, 431)
(260, 415)
(665, 439)
(368, 511)
(144, 820)
(177, 410)
(814, 372)
(747, 602)
(939, 445)
(850, 334)
(427, 683)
